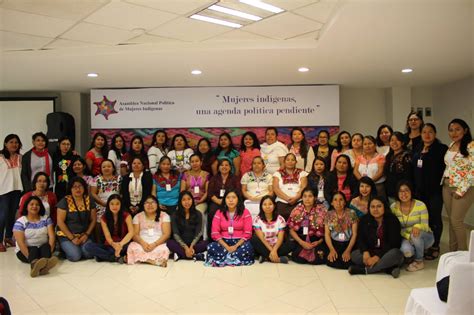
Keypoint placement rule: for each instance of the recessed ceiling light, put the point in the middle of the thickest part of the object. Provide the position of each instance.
(263, 6)
(196, 72)
(92, 75)
(303, 69)
(407, 70)
(244, 15)
(215, 21)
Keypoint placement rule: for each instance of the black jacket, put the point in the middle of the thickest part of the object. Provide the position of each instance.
(147, 186)
(327, 159)
(367, 234)
(427, 179)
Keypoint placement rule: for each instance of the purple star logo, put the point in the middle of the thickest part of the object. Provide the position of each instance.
(105, 107)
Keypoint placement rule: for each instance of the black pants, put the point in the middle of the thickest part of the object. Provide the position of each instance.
(434, 203)
(340, 247)
(320, 252)
(212, 209)
(259, 248)
(390, 259)
(44, 251)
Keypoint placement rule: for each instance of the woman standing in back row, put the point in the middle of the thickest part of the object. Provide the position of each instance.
(458, 194)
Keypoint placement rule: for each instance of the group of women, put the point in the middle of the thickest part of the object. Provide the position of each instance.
(317, 205)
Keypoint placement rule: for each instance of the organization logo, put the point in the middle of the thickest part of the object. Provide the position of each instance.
(105, 107)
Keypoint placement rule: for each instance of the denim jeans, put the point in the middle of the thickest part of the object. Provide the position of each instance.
(102, 251)
(8, 208)
(416, 245)
(74, 252)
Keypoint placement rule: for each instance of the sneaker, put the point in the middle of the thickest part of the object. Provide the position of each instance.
(9, 242)
(53, 261)
(284, 259)
(37, 266)
(175, 257)
(199, 257)
(395, 272)
(415, 266)
(357, 270)
(2, 248)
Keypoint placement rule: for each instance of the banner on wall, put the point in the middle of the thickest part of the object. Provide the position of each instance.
(211, 107)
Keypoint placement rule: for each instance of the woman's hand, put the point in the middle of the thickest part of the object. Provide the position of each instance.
(332, 256)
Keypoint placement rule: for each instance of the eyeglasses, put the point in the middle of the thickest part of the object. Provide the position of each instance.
(413, 119)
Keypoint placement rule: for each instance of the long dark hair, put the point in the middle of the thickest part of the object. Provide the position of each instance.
(239, 211)
(261, 213)
(303, 145)
(142, 151)
(400, 137)
(368, 181)
(430, 125)
(205, 156)
(379, 141)
(158, 210)
(181, 213)
(118, 152)
(408, 119)
(327, 134)
(172, 171)
(339, 143)
(9, 137)
(231, 145)
(153, 141)
(24, 210)
(387, 213)
(83, 162)
(349, 169)
(109, 216)
(179, 135)
(255, 145)
(466, 139)
(312, 175)
(105, 149)
(113, 166)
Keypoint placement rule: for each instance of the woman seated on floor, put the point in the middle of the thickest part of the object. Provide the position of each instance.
(378, 242)
(118, 232)
(152, 229)
(269, 238)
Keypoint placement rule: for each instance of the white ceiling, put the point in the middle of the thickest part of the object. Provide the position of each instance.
(50, 45)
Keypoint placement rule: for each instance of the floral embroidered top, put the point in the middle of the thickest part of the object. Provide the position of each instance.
(313, 219)
(257, 185)
(270, 229)
(341, 227)
(460, 169)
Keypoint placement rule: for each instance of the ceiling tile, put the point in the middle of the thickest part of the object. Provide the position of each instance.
(175, 6)
(128, 16)
(290, 5)
(310, 35)
(151, 39)
(64, 43)
(87, 32)
(32, 24)
(320, 11)
(15, 41)
(238, 35)
(283, 26)
(69, 10)
(189, 30)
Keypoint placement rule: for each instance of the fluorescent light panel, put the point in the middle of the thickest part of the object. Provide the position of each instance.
(214, 20)
(244, 15)
(263, 6)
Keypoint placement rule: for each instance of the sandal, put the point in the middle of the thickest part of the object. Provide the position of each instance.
(432, 253)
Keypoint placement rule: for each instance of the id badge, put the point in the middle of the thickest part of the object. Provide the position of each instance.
(168, 187)
(320, 194)
(419, 163)
(289, 188)
(221, 193)
(305, 230)
(230, 229)
(196, 189)
(151, 232)
(378, 242)
(258, 192)
(341, 236)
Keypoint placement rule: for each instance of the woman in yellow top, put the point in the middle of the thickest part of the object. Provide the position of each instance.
(416, 233)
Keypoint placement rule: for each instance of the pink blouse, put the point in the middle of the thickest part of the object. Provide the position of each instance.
(241, 226)
(246, 160)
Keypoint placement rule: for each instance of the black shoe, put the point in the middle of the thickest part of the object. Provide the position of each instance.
(199, 257)
(357, 270)
(262, 259)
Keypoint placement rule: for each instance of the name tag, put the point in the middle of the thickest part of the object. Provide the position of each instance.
(341, 236)
(168, 187)
(196, 189)
(305, 230)
(258, 192)
(320, 194)
(230, 229)
(151, 232)
(221, 193)
(419, 163)
(378, 242)
(289, 188)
